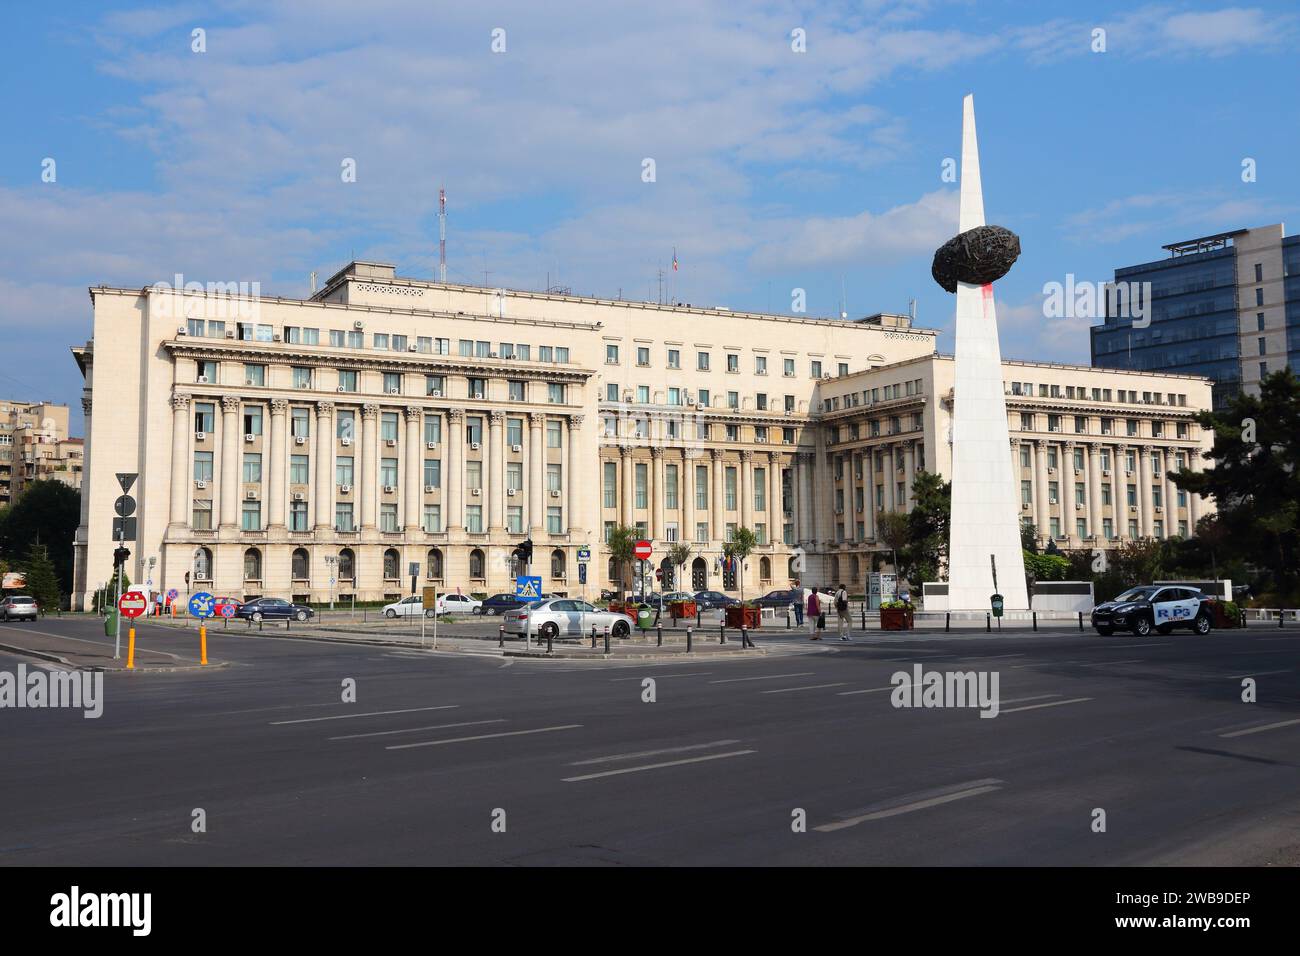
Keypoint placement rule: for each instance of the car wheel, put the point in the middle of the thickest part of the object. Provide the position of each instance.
(1142, 627)
(1202, 625)
(430, 613)
(257, 617)
(620, 629)
(301, 616)
(1164, 628)
(549, 631)
(1105, 631)
(477, 610)
(390, 613)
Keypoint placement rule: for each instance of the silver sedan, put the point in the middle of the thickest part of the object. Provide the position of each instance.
(560, 617)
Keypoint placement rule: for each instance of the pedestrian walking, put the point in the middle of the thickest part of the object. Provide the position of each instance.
(799, 599)
(814, 613)
(842, 612)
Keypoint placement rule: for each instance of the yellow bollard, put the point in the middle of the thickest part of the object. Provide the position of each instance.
(130, 649)
(203, 643)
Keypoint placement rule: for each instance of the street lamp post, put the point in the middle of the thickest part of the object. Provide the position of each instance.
(331, 561)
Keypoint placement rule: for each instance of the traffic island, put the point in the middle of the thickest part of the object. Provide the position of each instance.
(80, 654)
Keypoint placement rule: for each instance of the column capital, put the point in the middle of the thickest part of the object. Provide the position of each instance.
(806, 457)
(715, 454)
(1042, 442)
(537, 419)
(1014, 441)
(1148, 449)
(1121, 448)
(575, 421)
(324, 408)
(179, 401)
(496, 418)
(455, 415)
(624, 451)
(230, 403)
(370, 411)
(1071, 444)
(413, 413)
(656, 451)
(746, 456)
(279, 406)
(774, 457)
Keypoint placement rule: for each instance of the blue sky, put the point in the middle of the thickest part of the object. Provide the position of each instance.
(775, 170)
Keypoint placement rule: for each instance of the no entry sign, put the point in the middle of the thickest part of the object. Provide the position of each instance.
(643, 550)
(132, 604)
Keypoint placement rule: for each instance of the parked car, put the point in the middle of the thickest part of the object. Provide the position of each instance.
(712, 600)
(19, 607)
(273, 609)
(501, 603)
(560, 617)
(458, 604)
(218, 603)
(408, 607)
(1162, 607)
(777, 599)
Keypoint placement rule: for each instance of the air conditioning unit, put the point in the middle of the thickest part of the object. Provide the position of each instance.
(394, 391)
(787, 441)
(304, 384)
(476, 492)
(760, 439)
(250, 437)
(435, 393)
(249, 381)
(429, 489)
(431, 445)
(230, 334)
(839, 511)
(511, 492)
(1160, 509)
(1133, 508)
(555, 492)
(1128, 471)
(690, 401)
(200, 436)
(277, 337)
(412, 348)
(474, 446)
(358, 325)
(250, 494)
(200, 483)
(202, 380)
(391, 442)
(299, 440)
(1078, 470)
(345, 489)
(1051, 471)
(299, 496)
(340, 389)
(346, 442)
(1024, 506)
(390, 490)
(1105, 472)
(181, 330)
(516, 448)
(858, 476)
(1051, 501)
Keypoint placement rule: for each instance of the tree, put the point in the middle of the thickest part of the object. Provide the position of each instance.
(42, 583)
(622, 551)
(928, 522)
(47, 513)
(741, 546)
(1255, 481)
(678, 555)
(894, 532)
(1029, 536)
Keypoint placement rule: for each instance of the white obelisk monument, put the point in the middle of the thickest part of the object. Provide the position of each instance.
(985, 524)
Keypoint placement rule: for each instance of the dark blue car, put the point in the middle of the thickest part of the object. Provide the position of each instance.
(273, 609)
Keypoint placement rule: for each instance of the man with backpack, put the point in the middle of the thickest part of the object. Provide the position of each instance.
(814, 614)
(842, 611)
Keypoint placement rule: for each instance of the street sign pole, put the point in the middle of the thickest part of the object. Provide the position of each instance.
(117, 621)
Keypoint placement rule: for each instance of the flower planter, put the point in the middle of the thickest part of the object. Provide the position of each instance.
(682, 609)
(1223, 618)
(737, 616)
(896, 619)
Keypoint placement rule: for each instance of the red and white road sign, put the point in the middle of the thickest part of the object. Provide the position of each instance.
(643, 550)
(132, 604)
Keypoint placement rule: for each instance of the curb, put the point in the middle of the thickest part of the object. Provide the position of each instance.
(143, 669)
(614, 656)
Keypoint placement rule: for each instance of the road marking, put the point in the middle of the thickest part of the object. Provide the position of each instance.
(461, 740)
(657, 766)
(657, 676)
(373, 713)
(1280, 650)
(1105, 663)
(653, 753)
(873, 690)
(412, 730)
(786, 690)
(1041, 663)
(974, 789)
(1018, 700)
(733, 680)
(1259, 674)
(1260, 730)
(1161, 644)
(1055, 703)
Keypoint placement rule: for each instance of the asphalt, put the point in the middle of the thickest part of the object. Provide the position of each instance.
(731, 752)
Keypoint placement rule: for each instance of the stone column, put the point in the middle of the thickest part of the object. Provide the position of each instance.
(1145, 505)
(180, 502)
(1119, 491)
(803, 497)
(573, 511)
(718, 520)
(775, 516)
(627, 485)
(278, 464)
(231, 440)
(1193, 499)
(1093, 451)
(688, 494)
(323, 492)
(86, 403)
(747, 489)
(1170, 493)
(453, 480)
(1042, 509)
(537, 473)
(1068, 479)
(656, 489)
(909, 466)
(495, 464)
(889, 473)
(368, 486)
(414, 493)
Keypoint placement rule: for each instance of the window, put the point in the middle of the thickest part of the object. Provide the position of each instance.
(815, 368)
(515, 390)
(611, 354)
(789, 403)
(670, 486)
(432, 429)
(474, 521)
(343, 470)
(204, 413)
(433, 561)
(300, 423)
(701, 532)
(206, 372)
(1026, 493)
(844, 370)
(252, 565)
(553, 478)
(562, 354)
(515, 519)
(203, 466)
(298, 516)
(554, 520)
(733, 400)
(250, 517)
(701, 487)
(729, 488)
(640, 484)
(435, 385)
(381, 340)
(642, 356)
(733, 433)
(347, 380)
(336, 338)
(514, 476)
(474, 475)
(253, 420)
(387, 472)
(733, 362)
(343, 519)
(704, 398)
(299, 565)
(553, 433)
(252, 468)
(478, 388)
(391, 564)
(255, 375)
(760, 364)
(760, 489)
(345, 424)
(674, 358)
(202, 520)
(432, 522)
(298, 470)
(610, 484)
(557, 564)
(760, 401)
(388, 426)
(388, 517)
(643, 394)
(474, 429)
(432, 473)
(702, 361)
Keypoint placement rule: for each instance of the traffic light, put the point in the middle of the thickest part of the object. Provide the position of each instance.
(120, 556)
(523, 553)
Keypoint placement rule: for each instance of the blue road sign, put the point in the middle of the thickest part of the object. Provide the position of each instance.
(172, 594)
(202, 604)
(528, 587)
(584, 555)
(582, 574)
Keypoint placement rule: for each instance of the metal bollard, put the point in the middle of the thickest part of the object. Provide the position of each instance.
(1035, 614)
(259, 625)
(593, 637)
(787, 619)
(501, 635)
(744, 638)
(549, 648)
(722, 632)
(1281, 617)
(988, 622)
(864, 615)
(660, 630)
(947, 622)
(607, 640)
(688, 639)
(1081, 620)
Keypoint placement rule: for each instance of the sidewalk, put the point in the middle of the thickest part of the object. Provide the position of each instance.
(80, 654)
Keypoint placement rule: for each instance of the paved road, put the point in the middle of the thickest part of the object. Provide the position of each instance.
(1152, 731)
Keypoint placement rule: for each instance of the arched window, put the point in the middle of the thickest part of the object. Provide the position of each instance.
(252, 565)
(347, 565)
(434, 560)
(476, 564)
(390, 564)
(699, 574)
(765, 569)
(835, 570)
(203, 565)
(300, 564)
(855, 569)
(557, 564)
(792, 567)
(612, 572)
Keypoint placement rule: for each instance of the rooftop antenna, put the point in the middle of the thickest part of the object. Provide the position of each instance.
(313, 281)
(442, 235)
(844, 301)
(911, 309)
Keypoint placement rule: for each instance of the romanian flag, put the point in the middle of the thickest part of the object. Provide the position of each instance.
(674, 258)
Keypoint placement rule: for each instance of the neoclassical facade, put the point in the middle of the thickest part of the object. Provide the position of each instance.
(320, 448)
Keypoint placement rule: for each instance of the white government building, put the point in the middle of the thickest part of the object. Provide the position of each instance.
(284, 444)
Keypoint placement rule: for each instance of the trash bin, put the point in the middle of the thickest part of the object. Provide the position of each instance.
(110, 624)
(644, 617)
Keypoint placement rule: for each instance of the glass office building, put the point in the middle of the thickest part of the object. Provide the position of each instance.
(1225, 306)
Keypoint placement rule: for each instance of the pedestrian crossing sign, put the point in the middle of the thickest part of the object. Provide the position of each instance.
(528, 588)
